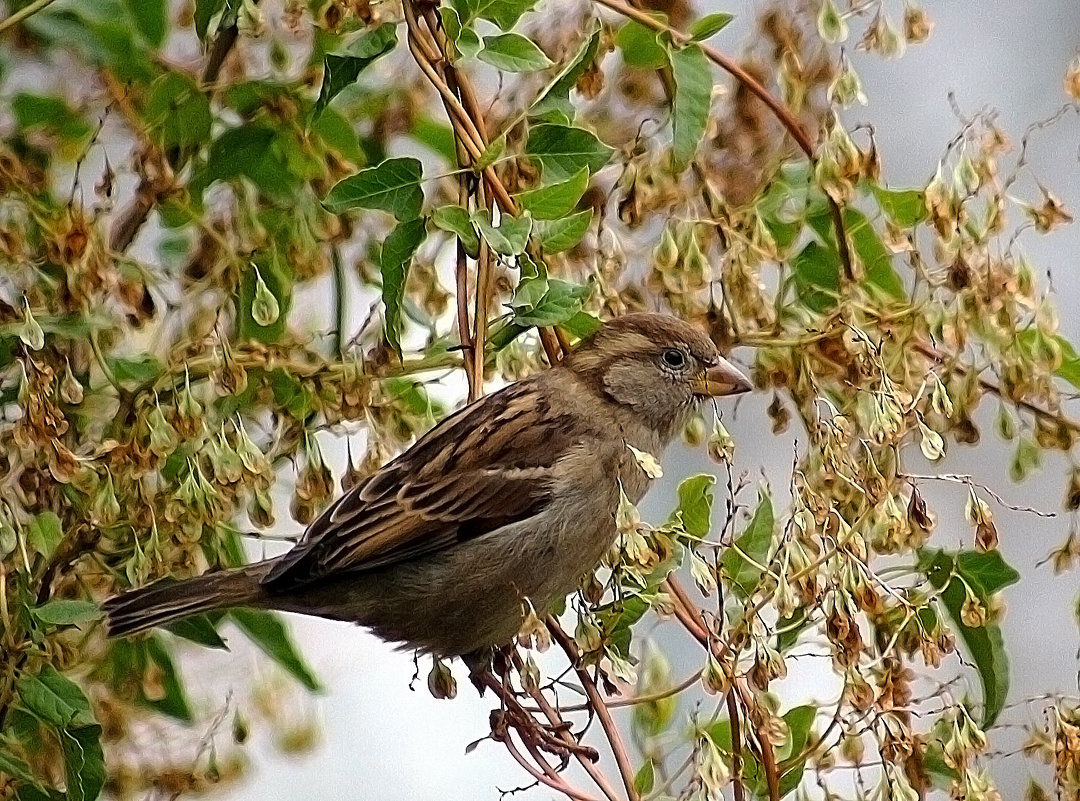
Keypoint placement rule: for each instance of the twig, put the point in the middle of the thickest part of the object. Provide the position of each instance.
(950, 363)
(23, 13)
(598, 706)
(738, 791)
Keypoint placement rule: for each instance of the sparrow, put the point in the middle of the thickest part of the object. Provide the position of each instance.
(505, 504)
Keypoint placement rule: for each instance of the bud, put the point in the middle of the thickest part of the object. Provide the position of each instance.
(721, 446)
(71, 391)
(627, 518)
(1072, 80)
(703, 574)
(939, 398)
(261, 508)
(189, 410)
(972, 611)
(966, 176)
(694, 431)
(846, 88)
(666, 255)
(530, 674)
(588, 635)
(253, 459)
(225, 462)
(30, 331)
(892, 43)
(264, 306)
(830, 24)
(933, 447)
(533, 633)
(440, 681)
(163, 439)
(695, 264)
(917, 24)
(779, 415)
(1072, 492)
(647, 462)
(105, 509)
(716, 679)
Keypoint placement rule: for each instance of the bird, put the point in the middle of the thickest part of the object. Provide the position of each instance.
(502, 507)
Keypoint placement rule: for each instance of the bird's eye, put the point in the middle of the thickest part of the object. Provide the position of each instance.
(673, 358)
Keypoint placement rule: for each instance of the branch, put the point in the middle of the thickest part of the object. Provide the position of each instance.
(23, 13)
(598, 707)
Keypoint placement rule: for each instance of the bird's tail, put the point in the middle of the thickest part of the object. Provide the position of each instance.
(165, 601)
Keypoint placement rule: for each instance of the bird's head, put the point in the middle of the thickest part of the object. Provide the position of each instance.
(659, 366)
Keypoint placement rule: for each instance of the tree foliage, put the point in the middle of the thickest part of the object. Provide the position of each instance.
(495, 177)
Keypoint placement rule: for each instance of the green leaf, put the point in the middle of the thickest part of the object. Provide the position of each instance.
(905, 207)
(173, 699)
(65, 612)
(541, 302)
(490, 154)
(205, 11)
(249, 151)
(341, 70)
(512, 52)
(54, 699)
(84, 762)
(875, 258)
(693, 93)
(557, 93)
(49, 112)
(58, 702)
(554, 201)
(645, 778)
(277, 278)
(199, 629)
(708, 26)
(393, 186)
(395, 257)
(816, 272)
(177, 112)
(151, 19)
(799, 720)
(455, 219)
(641, 46)
(504, 13)
(436, 136)
(512, 235)
(755, 543)
(266, 630)
(563, 151)
(559, 235)
(694, 511)
(133, 371)
(985, 573)
(44, 533)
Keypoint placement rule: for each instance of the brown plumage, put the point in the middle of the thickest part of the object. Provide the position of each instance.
(510, 499)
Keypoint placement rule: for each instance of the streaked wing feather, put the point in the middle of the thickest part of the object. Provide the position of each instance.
(484, 467)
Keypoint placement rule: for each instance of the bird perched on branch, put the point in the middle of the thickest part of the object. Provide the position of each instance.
(508, 502)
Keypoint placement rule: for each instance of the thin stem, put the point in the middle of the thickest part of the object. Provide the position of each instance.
(599, 708)
(738, 790)
(23, 13)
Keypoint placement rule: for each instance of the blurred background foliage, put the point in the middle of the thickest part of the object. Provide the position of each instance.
(198, 202)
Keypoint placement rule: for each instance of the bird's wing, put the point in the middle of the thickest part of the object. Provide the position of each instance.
(484, 467)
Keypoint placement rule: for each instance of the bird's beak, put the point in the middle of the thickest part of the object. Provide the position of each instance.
(721, 380)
